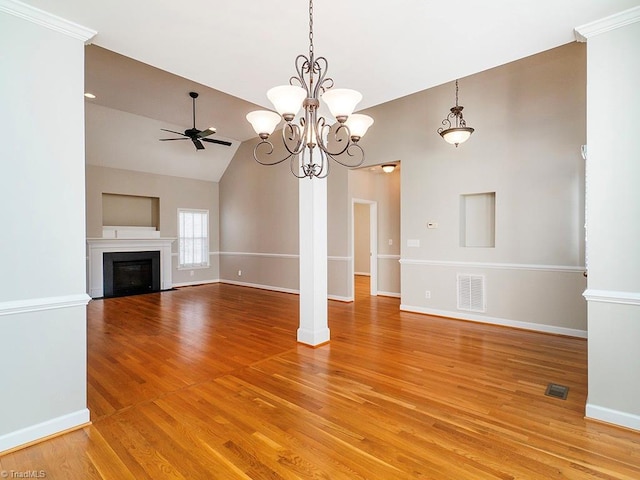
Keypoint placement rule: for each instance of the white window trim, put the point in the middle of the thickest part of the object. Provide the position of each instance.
(205, 252)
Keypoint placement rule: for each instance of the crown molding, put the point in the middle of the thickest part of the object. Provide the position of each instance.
(606, 24)
(45, 19)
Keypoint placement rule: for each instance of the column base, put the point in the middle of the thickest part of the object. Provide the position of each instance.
(313, 338)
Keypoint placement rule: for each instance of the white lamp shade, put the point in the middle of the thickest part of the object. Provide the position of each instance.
(456, 136)
(263, 121)
(341, 101)
(358, 124)
(287, 99)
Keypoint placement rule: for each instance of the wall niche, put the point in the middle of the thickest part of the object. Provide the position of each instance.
(130, 211)
(478, 220)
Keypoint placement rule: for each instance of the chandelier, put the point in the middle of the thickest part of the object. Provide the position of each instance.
(460, 133)
(300, 140)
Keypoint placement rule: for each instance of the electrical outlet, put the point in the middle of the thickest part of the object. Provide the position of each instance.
(191, 273)
(427, 294)
(390, 241)
(239, 273)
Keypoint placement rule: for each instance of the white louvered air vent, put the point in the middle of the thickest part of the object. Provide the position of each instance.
(471, 293)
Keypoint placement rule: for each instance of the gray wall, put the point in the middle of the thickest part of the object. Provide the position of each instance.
(258, 223)
(174, 193)
(529, 118)
(530, 123)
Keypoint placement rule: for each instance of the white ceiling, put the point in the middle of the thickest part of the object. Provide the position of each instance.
(241, 48)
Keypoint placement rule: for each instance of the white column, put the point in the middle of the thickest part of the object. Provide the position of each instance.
(613, 147)
(42, 188)
(313, 329)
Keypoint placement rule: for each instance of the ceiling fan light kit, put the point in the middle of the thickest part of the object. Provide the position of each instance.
(300, 140)
(193, 134)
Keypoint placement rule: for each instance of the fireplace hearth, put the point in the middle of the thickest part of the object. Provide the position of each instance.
(131, 273)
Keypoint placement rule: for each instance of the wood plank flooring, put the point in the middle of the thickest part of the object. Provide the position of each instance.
(208, 382)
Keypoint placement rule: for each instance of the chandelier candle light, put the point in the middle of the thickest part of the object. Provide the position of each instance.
(460, 133)
(300, 140)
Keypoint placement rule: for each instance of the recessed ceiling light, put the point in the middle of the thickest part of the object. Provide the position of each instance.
(89, 95)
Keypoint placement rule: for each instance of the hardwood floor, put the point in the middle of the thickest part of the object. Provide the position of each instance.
(208, 382)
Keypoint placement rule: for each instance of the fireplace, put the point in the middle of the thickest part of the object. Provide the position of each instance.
(131, 273)
(98, 247)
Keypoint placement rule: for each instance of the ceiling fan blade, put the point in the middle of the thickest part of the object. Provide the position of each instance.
(169, 139)
(177, 133)
(213, 140)
(206, 132)
(198, 144)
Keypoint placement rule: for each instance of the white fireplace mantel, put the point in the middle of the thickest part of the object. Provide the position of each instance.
(98, 246)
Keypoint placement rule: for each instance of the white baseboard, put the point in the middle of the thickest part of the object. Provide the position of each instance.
(42, 430)
(571, 332)
(388, 294)
(615, 417)
(191, 284)
(261, 287)
(339, 298)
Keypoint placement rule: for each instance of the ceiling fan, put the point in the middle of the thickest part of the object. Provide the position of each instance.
(193, 134)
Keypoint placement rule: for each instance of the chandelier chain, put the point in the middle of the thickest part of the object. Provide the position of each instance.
(310, 29)
(456, 92)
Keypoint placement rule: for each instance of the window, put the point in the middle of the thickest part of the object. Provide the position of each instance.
(193, 238)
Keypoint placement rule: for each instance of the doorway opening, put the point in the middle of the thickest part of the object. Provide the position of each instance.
(364, 243)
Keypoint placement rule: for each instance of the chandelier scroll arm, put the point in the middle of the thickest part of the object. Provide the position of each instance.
(323, 83)
(267, 143)
(348, 150)
(322, 127)
(294, 134)
(302, 65)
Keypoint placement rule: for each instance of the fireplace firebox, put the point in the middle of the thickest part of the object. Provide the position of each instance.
(131, 273)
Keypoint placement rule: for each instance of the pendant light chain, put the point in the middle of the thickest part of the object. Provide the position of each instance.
(456, 92)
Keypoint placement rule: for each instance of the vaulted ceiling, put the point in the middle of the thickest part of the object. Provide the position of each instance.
(232, 52)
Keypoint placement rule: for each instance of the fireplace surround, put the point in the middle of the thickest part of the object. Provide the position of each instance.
(97, 247)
